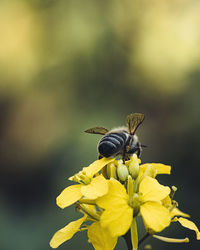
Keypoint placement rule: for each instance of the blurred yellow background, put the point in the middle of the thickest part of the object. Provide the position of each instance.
(69, 65)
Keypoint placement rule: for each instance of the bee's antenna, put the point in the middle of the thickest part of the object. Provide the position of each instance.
(144, 146)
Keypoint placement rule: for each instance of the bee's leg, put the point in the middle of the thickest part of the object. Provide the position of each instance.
(124, 156)
(138, 152)
(135, 149)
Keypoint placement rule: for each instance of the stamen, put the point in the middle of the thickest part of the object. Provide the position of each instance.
(113, 171)
(89, 212)
(174, 205)
(85, 179)
(83, 228)
(174, 189)
(170, 240)
(130, 190)
(74, 178)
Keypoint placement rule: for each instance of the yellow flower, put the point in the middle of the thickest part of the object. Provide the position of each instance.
(67, 232)
(96, 188)
(98, 236)
(117, 216)
(112, 205)
(118, 213)
(155, 216)
(91, 188)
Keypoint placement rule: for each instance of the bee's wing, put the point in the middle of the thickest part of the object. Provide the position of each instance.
(133, 121)
(97, 130)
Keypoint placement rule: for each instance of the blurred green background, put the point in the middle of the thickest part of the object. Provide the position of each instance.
(69, 65)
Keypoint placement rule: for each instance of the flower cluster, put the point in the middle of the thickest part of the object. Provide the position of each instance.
(111, 194)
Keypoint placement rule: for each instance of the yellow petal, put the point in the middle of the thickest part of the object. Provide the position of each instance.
(190, 225)
(97, 188)
(66, 233)
(156, 217)
(115, 197)
(69, 195)
(160, 168)
(96, 166)
(167, 202)
(151, 190)
(118, 219)
(101, 238)
(177, 212)
(75, 178)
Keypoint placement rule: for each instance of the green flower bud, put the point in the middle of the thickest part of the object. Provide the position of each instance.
(134, 166)
(122, 171)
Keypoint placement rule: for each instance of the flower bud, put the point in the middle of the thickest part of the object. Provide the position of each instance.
(122, 171)
(134, 166)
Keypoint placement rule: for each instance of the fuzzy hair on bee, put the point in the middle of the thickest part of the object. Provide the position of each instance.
(121, 140)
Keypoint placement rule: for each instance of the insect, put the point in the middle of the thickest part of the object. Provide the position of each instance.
(120, 141)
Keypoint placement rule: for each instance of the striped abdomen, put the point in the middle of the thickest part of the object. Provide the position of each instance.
(112, 144)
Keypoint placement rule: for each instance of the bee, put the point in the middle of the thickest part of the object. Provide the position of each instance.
(120, 141)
